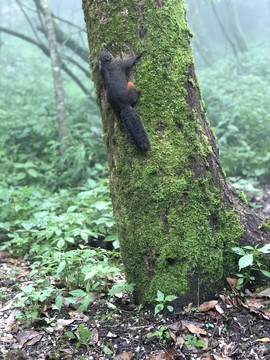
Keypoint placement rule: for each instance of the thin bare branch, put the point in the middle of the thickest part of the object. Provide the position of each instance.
(45, 50)
(28, 19)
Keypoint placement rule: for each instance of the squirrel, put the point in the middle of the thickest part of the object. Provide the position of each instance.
(122, 95)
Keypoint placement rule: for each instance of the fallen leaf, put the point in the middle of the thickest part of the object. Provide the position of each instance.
(7, 338)
(11, 320)
(172, 335)
(208, 305)
(61, 323)
(176, 326)
(263, 340)
(6, 307)
(221, 357)
(180, 341)
(124, 356)
(265, 292)
(195, 329)
(94, 337)
(219, 309)
(255, 303)
(231, 282)
(168, 355)
(28, 338)
(188, 308)
(266, 315)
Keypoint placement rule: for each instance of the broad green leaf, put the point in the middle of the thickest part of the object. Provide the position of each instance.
(266, 273)
(77, 293)
(61, 243)
(158, 308)
(70, 335)
(160, 296)
(265, 249)
(239, 251)
(59, 302)
(245, 261)
(32, 173)
(61, 267)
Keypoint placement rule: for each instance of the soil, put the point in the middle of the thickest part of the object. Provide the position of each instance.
(232, 326)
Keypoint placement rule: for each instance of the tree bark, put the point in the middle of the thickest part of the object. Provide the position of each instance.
(57, 77)
(177, 216)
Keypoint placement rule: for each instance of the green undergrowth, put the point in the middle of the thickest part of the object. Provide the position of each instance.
(236, 94)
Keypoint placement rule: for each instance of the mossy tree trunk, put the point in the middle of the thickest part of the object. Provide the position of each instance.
(177, 217)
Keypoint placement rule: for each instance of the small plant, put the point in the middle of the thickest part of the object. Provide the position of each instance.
(163, 334)
(251, 259)
(162, 300)
(82, 334)
(121, 287)
(193, 341)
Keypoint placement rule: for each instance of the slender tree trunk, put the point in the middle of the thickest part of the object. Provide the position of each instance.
(200, 40)
(223, 29)
(176, 214)
(56, 69)
(236, 27)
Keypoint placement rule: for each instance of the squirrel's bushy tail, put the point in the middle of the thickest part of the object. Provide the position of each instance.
(135, 128)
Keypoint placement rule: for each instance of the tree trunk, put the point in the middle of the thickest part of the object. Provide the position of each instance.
(236, 27)
(177, 216)
(56, 69)
(223, 29)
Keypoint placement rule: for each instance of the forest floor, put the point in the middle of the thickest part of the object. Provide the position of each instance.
(232, 326)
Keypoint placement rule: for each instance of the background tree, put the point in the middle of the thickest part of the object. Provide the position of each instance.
(176, 214)
(56, 70)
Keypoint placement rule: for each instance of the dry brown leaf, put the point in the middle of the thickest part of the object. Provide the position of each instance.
(6, 307)
(235, 301)
(67, 351)
(11, 320)
(265, 292)
(221, 357)
(61, 323)
(7, 338)
(188, 308)
(232, 282)
(172, 335)
(265, 340)
(266, 315)
(219, 309)
(208, 305)
(180, 341)
(254, 303)
(124, 356)
(24, 273)
(28, 338)
(176, 326)
(94, 336)
(208, 357)
(168, 355)
(34, 340)
(195, 329)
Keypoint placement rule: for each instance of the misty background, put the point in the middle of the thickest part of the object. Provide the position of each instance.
(234, 83)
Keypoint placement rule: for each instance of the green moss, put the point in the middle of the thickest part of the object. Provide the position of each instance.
(175, 232)
(242, 196)
(265, 225)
